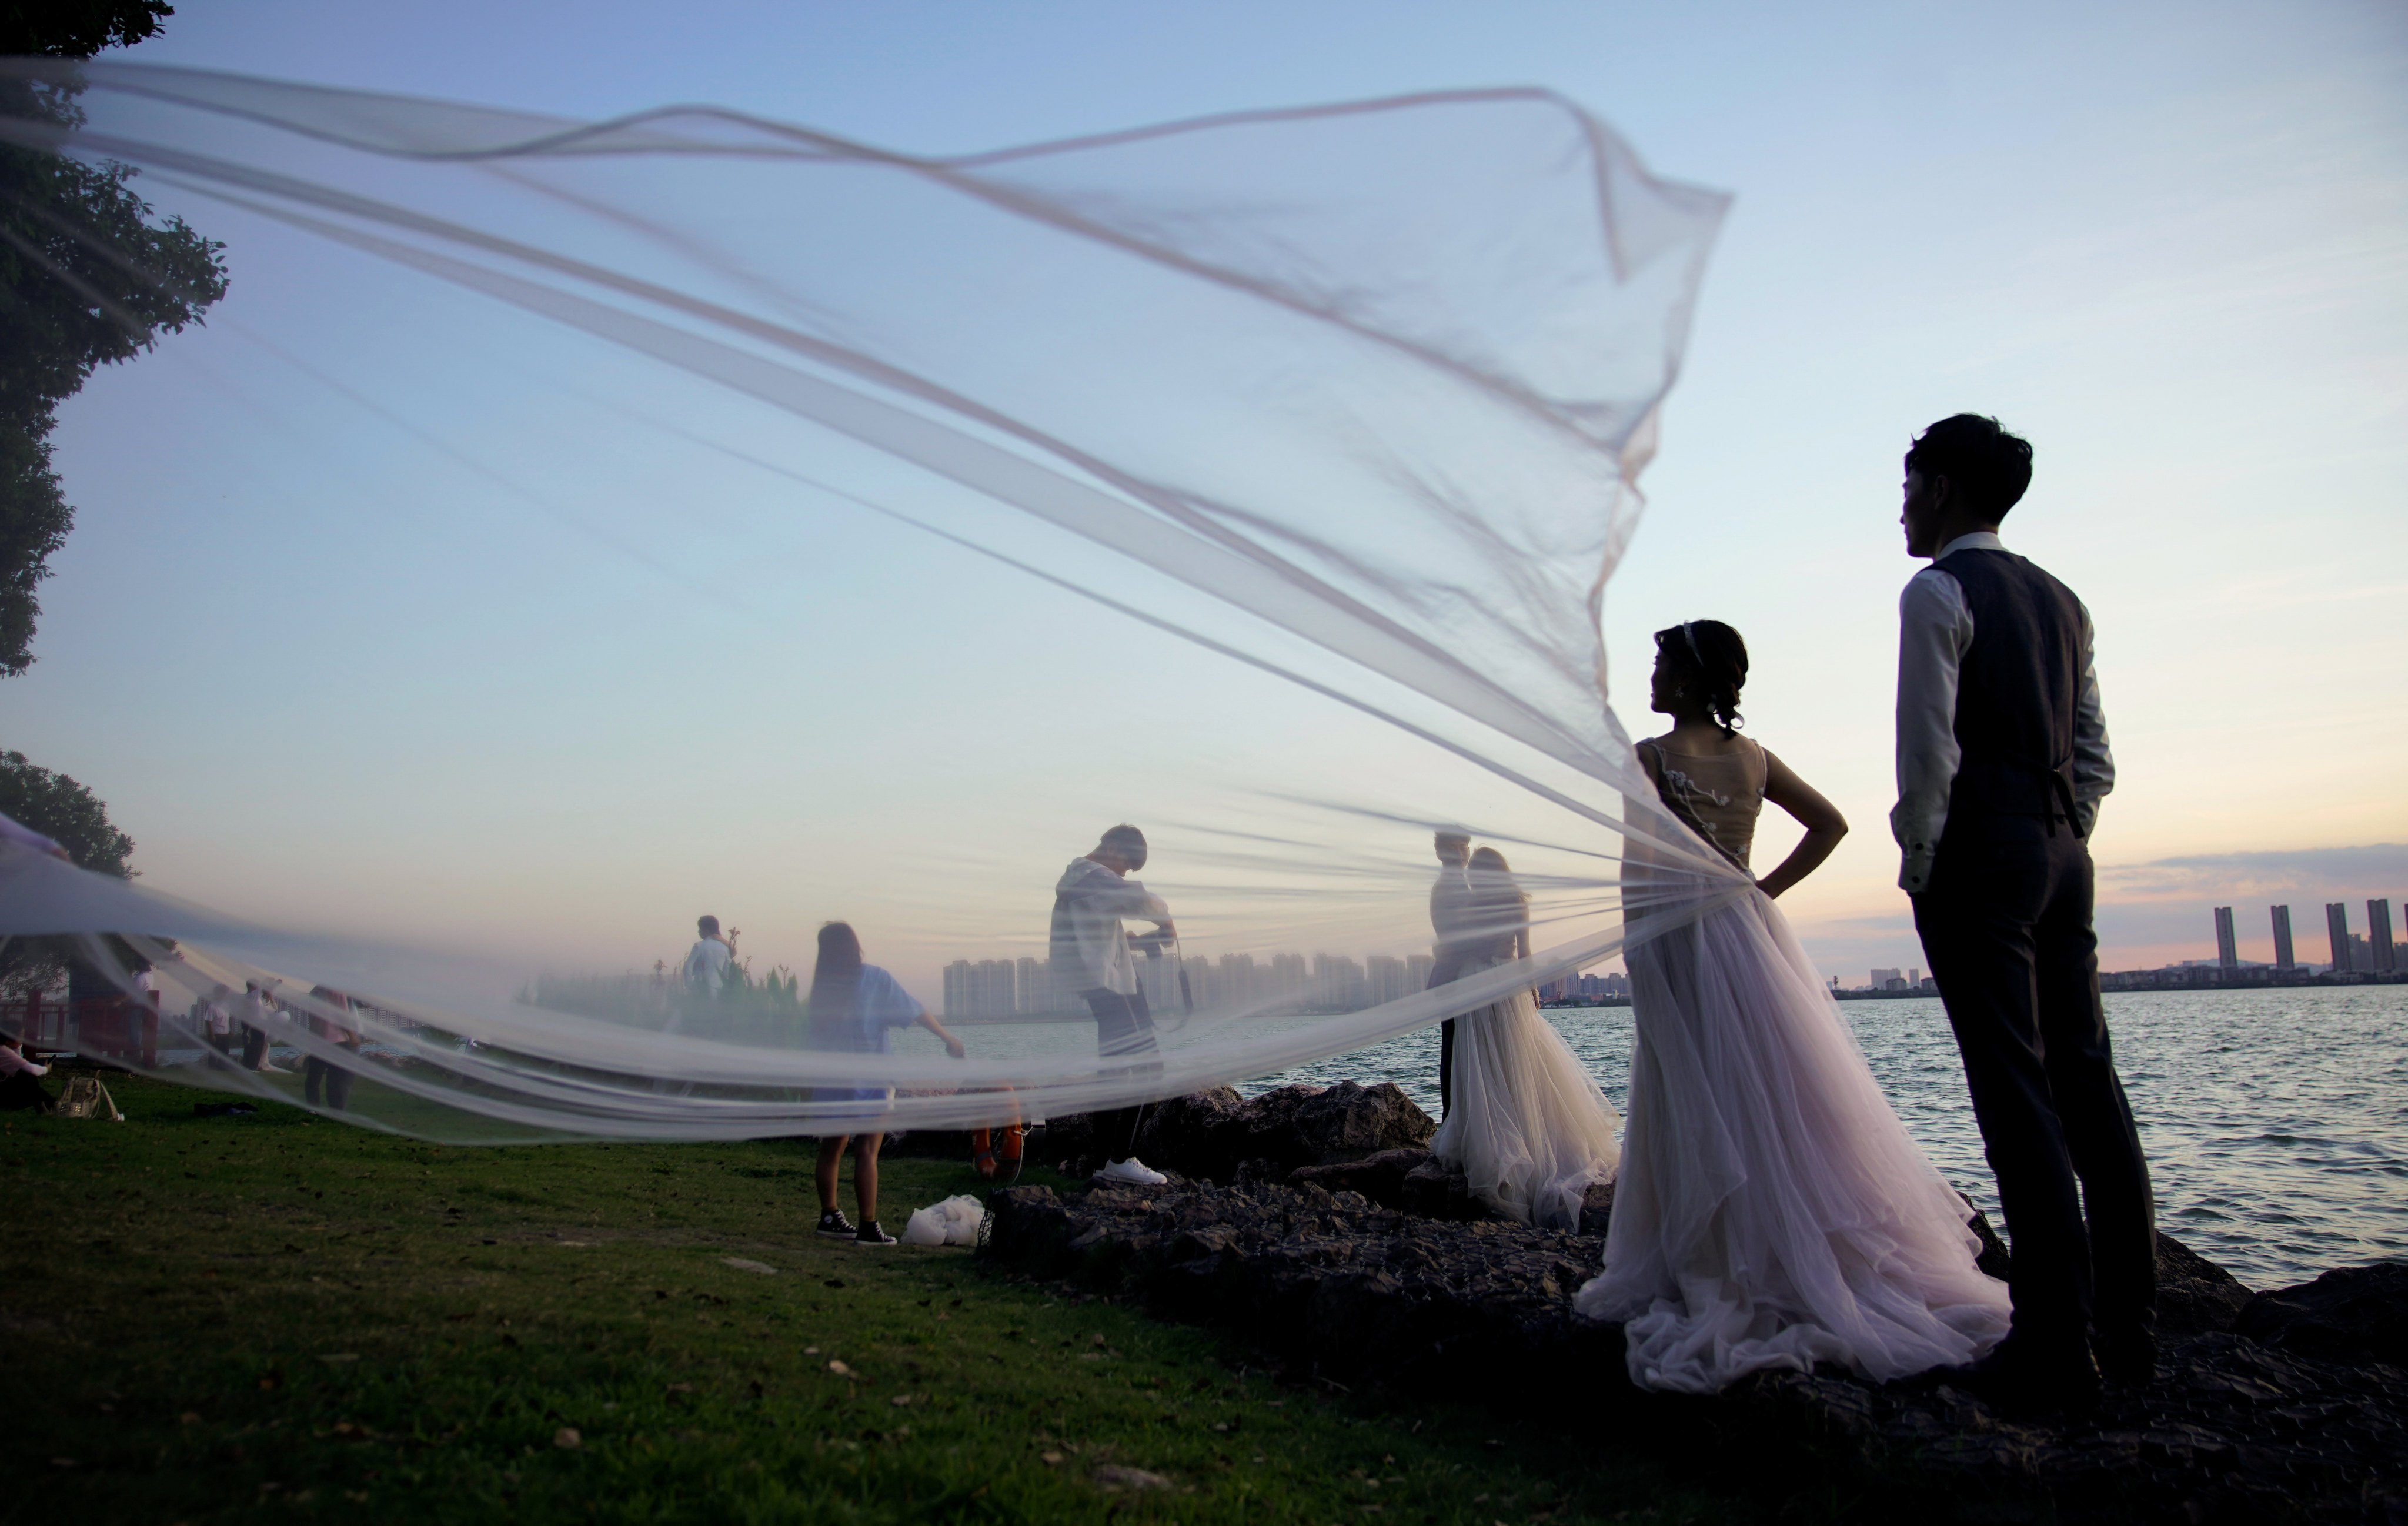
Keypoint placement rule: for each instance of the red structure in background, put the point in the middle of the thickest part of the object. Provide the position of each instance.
(117, 1027)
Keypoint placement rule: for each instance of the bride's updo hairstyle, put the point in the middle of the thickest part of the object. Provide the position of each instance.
(1709, 661)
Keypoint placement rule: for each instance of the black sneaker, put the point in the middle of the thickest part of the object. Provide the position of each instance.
(835, 1225)
(870, 1234)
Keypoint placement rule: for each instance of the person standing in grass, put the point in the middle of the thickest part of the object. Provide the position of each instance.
(854, 1009)
(212, 1022)
(257, 1007)
(323, 1075)
(1088, 946)
(707, 962)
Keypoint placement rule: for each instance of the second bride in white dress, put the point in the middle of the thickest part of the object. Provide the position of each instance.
(1528, 1128)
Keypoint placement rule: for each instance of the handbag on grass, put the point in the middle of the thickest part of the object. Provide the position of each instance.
(86, 1098)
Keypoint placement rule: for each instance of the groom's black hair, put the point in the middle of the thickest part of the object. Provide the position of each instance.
(1990, 467)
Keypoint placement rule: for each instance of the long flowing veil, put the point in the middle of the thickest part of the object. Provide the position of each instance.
(1256, 478)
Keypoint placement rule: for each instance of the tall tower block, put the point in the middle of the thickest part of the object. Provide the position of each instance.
(2378, 936)
(2337, 928)
(2283, 959)
(2228, 948)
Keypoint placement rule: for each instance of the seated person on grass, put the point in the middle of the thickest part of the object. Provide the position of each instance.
(19, 1084)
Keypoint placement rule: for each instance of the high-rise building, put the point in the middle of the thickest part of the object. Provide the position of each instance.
(1036, 982)
(1203, 981)
(957, 989)
(1384, 977)
(993, 989)
(1882, 977)
(2337, 928)
(1241, 983)
(1159, 979)
(2228, 948)
(2283, 959)
(1417, 972)
(1337, 984)
(1291, 983)
(2378, 935)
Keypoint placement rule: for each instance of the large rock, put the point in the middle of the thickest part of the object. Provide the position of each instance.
(2195, 1296)
(2359, 1314)
(1380, 1177)
(1217, 1136)
(1331, 1280)
(1434, 1189)
(1319, 1126)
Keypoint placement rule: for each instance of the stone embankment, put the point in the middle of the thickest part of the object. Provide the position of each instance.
(1314, 1224)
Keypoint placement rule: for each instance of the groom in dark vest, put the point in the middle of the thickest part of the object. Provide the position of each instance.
(2002, 762)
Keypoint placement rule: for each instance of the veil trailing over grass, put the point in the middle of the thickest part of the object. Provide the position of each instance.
(1277, 461)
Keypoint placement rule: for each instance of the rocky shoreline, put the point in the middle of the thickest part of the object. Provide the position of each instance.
(1313, 1224)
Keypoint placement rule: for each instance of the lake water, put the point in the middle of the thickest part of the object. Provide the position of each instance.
(2275, 1121)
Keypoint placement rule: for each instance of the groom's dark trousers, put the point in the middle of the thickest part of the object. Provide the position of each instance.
(2006, 923)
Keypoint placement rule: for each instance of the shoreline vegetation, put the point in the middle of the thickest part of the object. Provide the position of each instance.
(278, 1317)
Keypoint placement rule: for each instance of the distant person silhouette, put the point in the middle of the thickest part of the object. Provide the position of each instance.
(1453, 922)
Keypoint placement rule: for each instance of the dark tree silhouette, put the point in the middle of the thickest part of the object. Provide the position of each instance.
(70, 815)
(78, 28)
(87, 277)
(64, 812)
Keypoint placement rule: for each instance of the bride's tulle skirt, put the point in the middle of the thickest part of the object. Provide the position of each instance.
(1528, 1127)
(1772, 1211)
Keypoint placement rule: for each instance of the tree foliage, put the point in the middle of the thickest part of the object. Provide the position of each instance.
(70, 815)
(77, 28)
(64, 812)
(87, 277)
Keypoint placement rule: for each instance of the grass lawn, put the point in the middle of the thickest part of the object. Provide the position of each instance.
(276, 1318)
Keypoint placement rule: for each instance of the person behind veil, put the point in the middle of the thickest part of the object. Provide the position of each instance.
(854, 1009)
(1090, 952)
(324, 1076)
(1530, 1128)
(706, 968)
(1451, 922)
(1771, 1211)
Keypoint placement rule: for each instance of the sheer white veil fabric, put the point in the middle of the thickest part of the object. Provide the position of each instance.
(1353, 394)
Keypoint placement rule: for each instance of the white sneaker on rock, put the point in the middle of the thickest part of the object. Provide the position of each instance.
(1133, 1170)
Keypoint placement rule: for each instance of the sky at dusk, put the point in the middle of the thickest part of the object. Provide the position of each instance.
(2169, 244)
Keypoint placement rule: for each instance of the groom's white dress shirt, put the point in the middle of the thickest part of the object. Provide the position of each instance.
(1935, 629)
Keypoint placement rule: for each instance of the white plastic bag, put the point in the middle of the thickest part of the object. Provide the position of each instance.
(952, 1222)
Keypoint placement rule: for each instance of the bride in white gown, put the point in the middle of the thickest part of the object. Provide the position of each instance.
(1528, 1128)
(1771, 1210)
